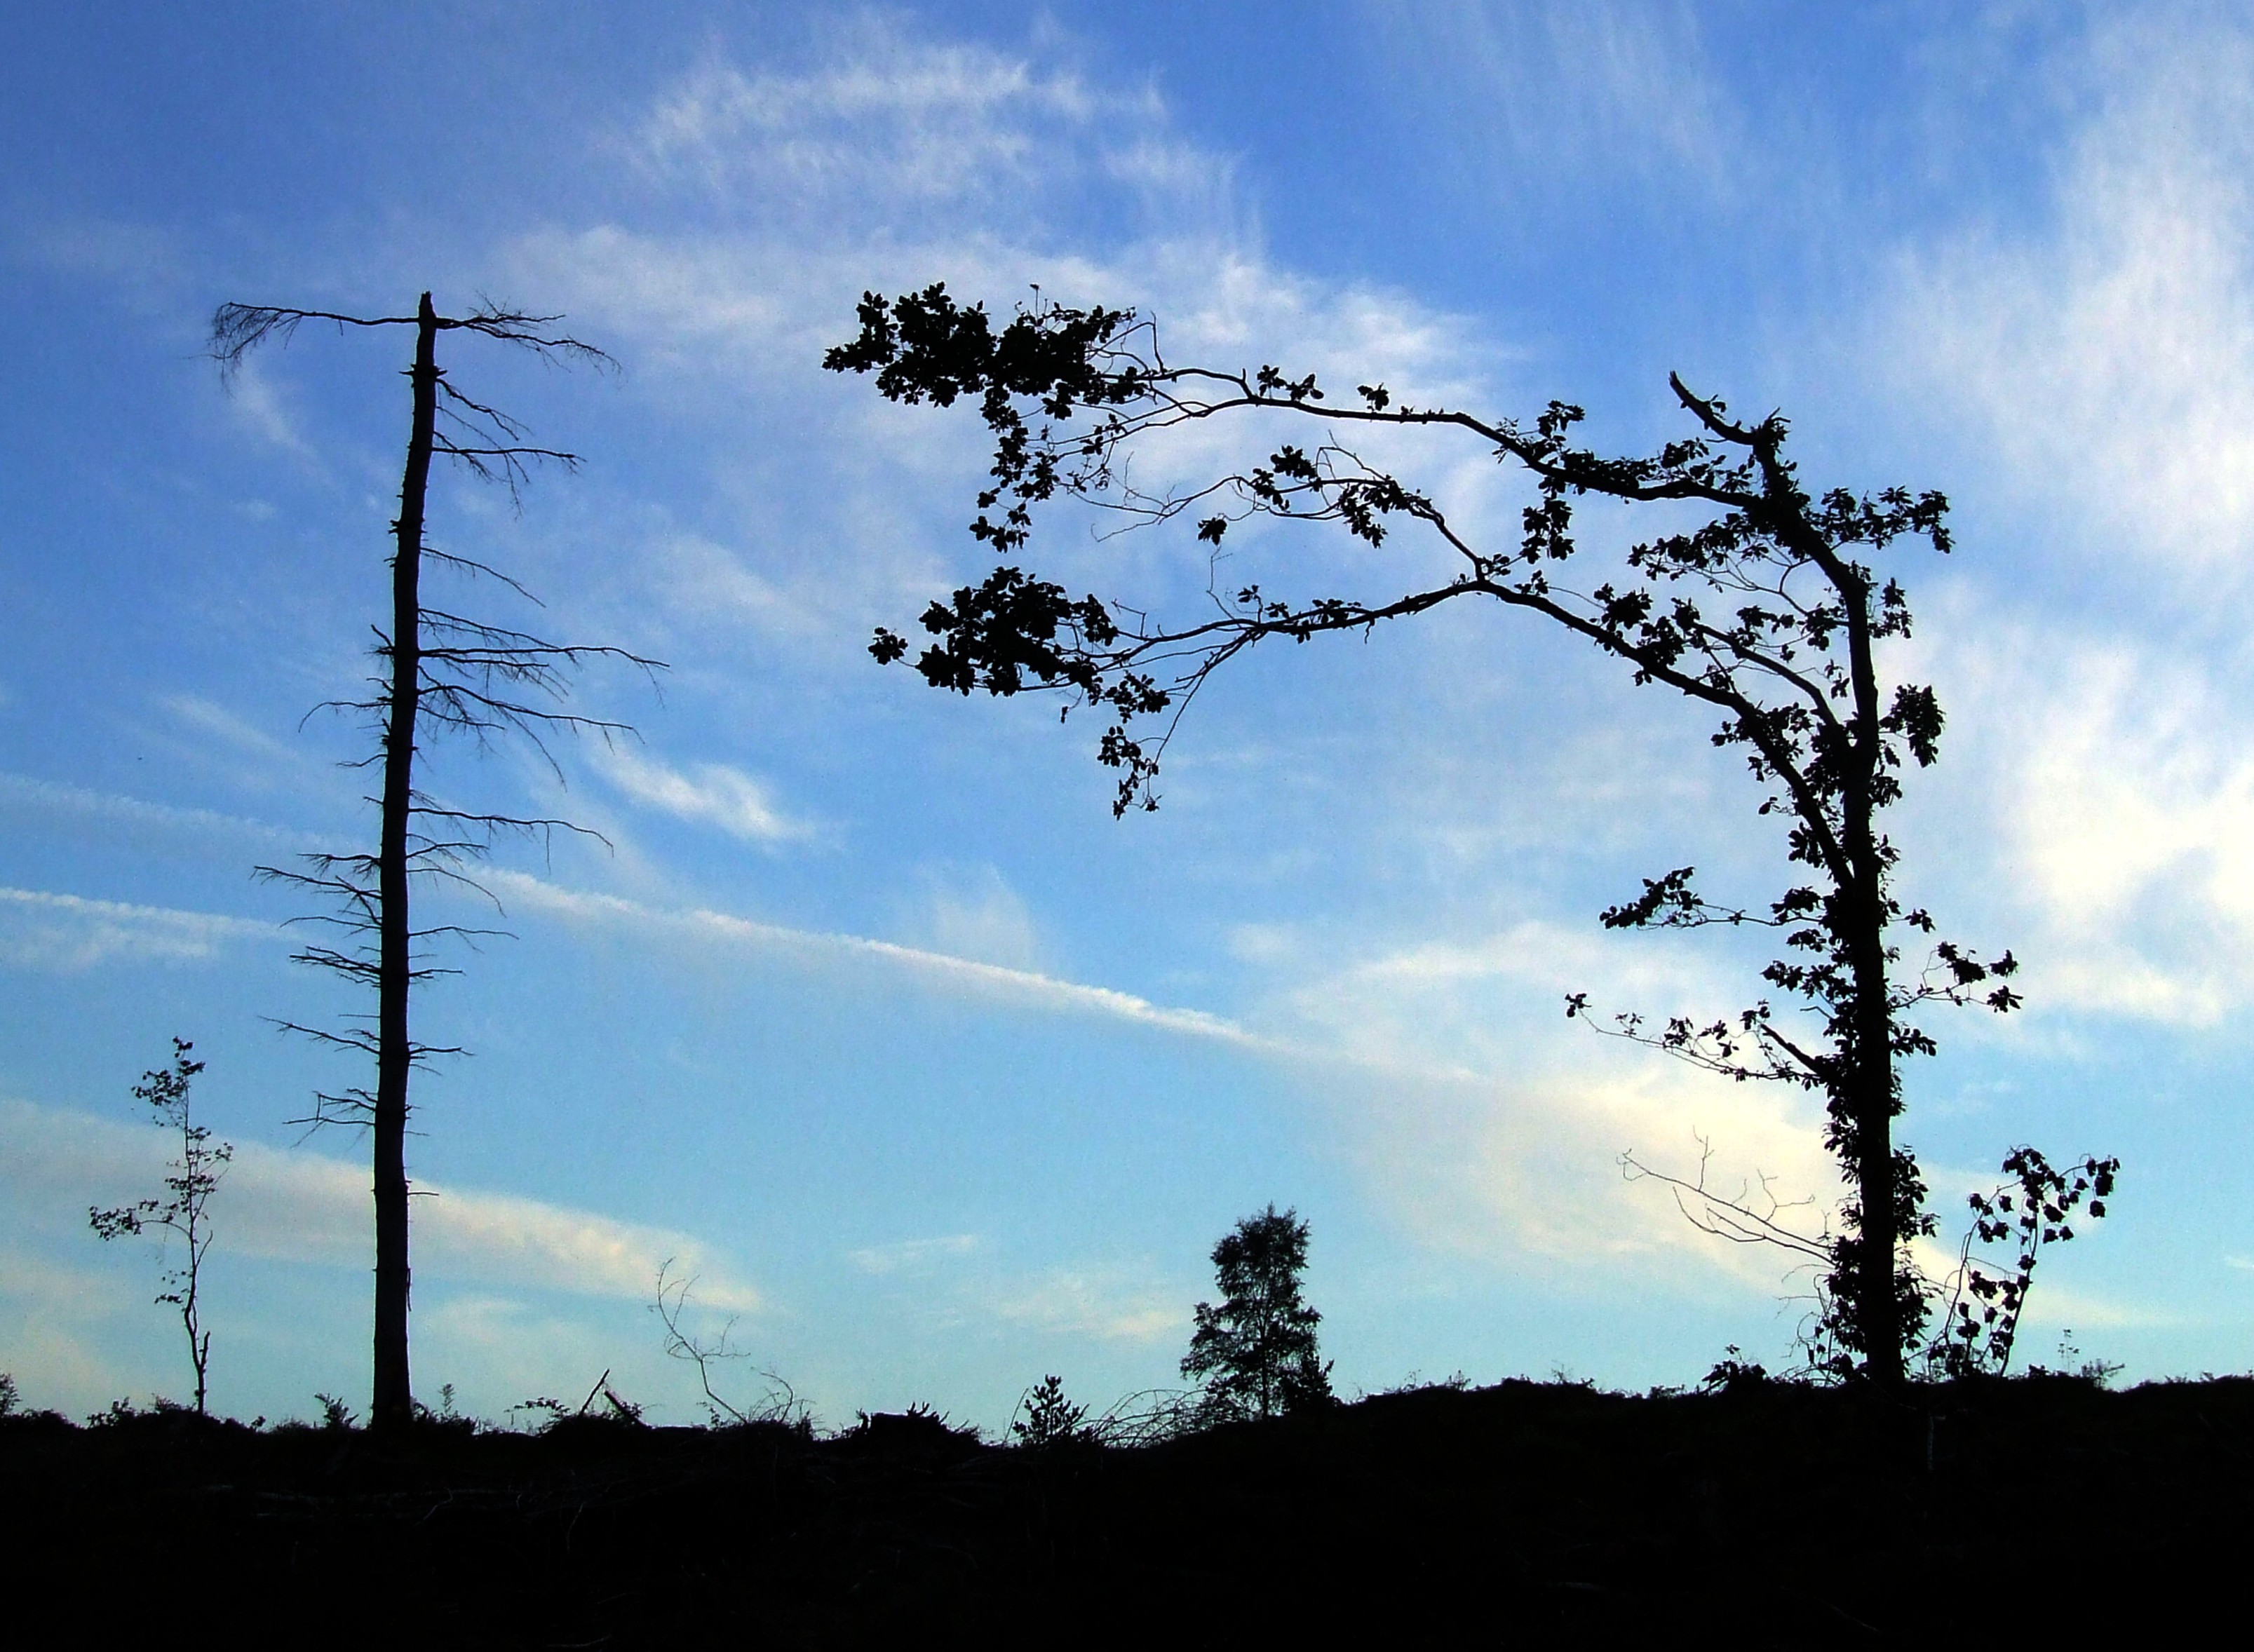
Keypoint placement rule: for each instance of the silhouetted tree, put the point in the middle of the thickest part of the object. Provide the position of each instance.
(1256, 1352)
(195, 1177)
(1763, 611)
(438, 669)
(670, 1304)
(1050, 1419)
(2034, 1209)
(1981, 1302)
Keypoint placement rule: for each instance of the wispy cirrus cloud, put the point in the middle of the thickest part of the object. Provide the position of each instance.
(711, 793)
(2093, 360)
(303, 1207)
(973, 913)
(910, 1255)
(702, 926)
(1114, 1303)
(1482, 1137)
(54, 799)
(2105, 355)
(1491, 1127)
(215, 721)
(1505, 1134)
(2117, 781)
(1583, 89)
(772, 196)
(886, 117)
(960, 1278)
(40, 929)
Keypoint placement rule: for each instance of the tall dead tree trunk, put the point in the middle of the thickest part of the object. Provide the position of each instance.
(394, 1398)
(440, 671)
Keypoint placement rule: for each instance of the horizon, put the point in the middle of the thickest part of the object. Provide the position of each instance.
(871, 1016)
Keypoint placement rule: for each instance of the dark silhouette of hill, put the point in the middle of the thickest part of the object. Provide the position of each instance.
(2043, 1508)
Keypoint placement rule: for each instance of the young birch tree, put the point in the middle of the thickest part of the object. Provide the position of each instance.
(1769, 612)
(438, 671)
(184, 1213)
(1255, 1351)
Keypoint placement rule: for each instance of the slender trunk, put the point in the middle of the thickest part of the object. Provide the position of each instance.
(393, 1401)
(199, 1346)
(1874, 1103)
(191, 1165)
(1870, 1075)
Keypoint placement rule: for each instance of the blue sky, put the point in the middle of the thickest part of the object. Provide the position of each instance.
(938, 1077)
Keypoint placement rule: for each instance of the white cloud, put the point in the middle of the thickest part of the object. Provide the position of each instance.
(1115, 1303)
(304, 1207)
(53, 798)
(2106, 358)
(711, 314)
(255, 400)
(712, 793)
(1496, 1142)
(1481, 1137)
(1013, 129)
(53, 1311)
(888, 119)
(1505, 1166)
(2113, 785)
(41, 930)
(2063, 1307)
(745, 305)
(1463, 1006)
(1567, 88)
(912, 1255)
(1489, 1125)
(139, 265)
(1106, 1300)
(216, 722)
(976, 914)
(705, 927)
(2130, 808)
(2094, 363)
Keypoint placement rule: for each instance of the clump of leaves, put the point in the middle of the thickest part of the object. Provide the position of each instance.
(2035, 1207)
(9, 1397)
(1733, 1373)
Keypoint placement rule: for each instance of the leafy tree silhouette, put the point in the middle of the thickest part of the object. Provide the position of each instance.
(1763, 610)
(1256, 1352)
(2034, 1209)
(1050, 1419)
(195, 1177)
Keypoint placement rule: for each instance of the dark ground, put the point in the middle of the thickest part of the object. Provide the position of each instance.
(2053, 1513)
